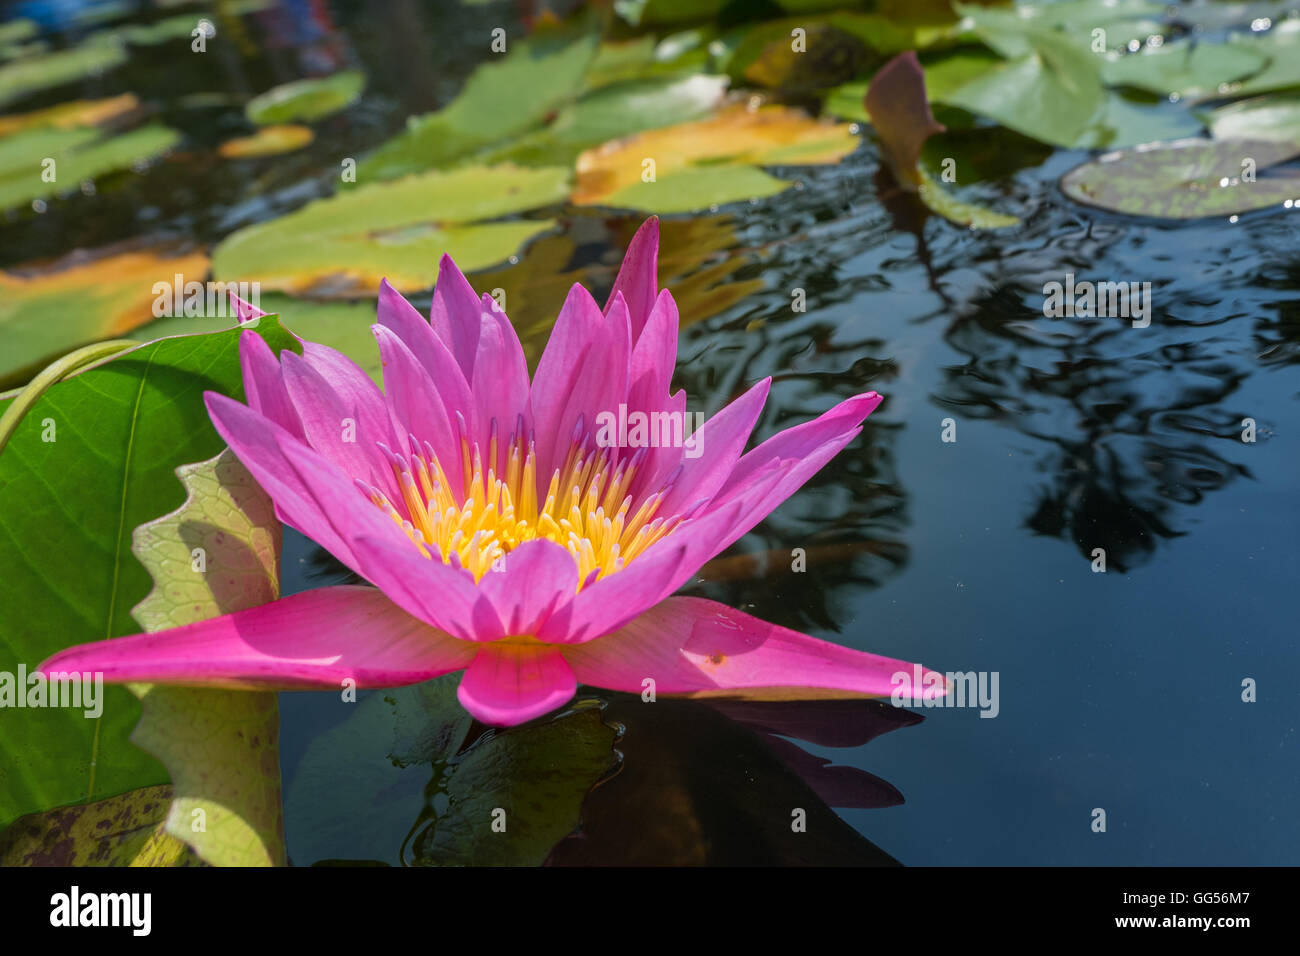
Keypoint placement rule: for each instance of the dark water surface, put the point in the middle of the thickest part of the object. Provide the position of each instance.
(1119, 690)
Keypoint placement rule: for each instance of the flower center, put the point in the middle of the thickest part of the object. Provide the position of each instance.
(587, 506)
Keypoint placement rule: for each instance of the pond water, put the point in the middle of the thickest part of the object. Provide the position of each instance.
(1119, 690)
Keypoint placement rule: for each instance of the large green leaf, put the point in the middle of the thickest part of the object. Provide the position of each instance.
(90, 462)
(310, 99)
(1188, 69)
(395, 774)
(501, 101)
(396, 230)
(216, 554)
(1282, 47)
(78, 154)
(1186, 179)
(1047, 86)
(1275, 118)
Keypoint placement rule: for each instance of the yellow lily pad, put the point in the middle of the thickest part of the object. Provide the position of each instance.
(709, 162)
(268, 141)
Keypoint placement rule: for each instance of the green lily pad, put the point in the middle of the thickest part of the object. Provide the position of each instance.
(18, 31)
(1188, 69)
(396, 230)
(306, 100)
(1275, 118)
(121, 831)
(1281, 45)
(79, 154)
(1186, 179)
(1046, 87)
(501, 101)
(32, 74)
(612, 112)
(90, 461)
(397, 774)
(221, 747)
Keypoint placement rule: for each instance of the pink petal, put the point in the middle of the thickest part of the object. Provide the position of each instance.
(717, 446)
(499, 384)
(654, 357)
(315, 639)
(638, 279)
(701, 648)
(264, 383)
(336, 427)
(454, 315)
(508, 684)
(578, 323)
(538, 578)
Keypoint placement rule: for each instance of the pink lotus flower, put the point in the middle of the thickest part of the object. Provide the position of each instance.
(502, 538)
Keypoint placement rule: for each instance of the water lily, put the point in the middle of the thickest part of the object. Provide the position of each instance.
(500, 535)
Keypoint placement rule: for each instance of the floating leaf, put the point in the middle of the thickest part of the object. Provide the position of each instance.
(78, 113)
(1185, 179)
(31, 74)
(396, 230)
(221, 747)
(306, 100)
(614, 111)
(1274, 118)
(80, 299)
(500, 102)
(18, 31)
(79, 155)
(126, 830)
(710, 161)
(1047, 85)
(647, 13)
(267, 141)
(1188, 69)
(1281, 45)
(92, 460)
(956, 211)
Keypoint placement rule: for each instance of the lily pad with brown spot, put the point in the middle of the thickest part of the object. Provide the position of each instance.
(1187, 179)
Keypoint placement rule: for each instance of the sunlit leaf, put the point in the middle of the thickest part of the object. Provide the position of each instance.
(708, 162)
(71, 115)
(91, 461)
(81, 298)
(1275, 118)
(218, 553)
(306, 100)
(267, 141)
(398, 230)
(1186, 179)
(502, 100)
